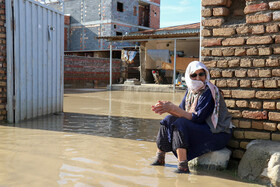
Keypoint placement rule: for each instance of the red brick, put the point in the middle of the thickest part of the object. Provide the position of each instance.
(276, 50)
(215, 74)
(245, 124)
(240, 73)
(206, 12)
(245, 62)
(268, 94)
(233, 41)
(242, 103)
(272, 63)
(265, 51)
(257, 125)
(228, 51)
(223, 32)
(211, 42)
(240, 52)
(270, 84)
(206, 32)
(217, 52)
(213, 22)
(274, 116)
(259, 40)
(254, 114)
(213, 2)
(275, 137)
(269, 105)
(221, 83)
(243, 30)
(154, 20)
(259, 29)
(276, 16)
(260, 18)
(206, 52)
(264, 73)
(276, 72)
(221, 11)
(67, 19)
(274, 5)
(272, 29)
(257, 84)
(255, 8)
(232, 83)
(243, 94)
(226, 93)
(222, 64)
(259, 63)
(257, 135)
(245, 83)
(235, 113)
(210, 64)
(234, 63)
(277, 39)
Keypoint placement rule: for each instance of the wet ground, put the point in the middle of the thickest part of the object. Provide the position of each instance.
(102, 139)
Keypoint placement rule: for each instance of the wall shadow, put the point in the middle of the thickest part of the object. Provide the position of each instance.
(98, 125)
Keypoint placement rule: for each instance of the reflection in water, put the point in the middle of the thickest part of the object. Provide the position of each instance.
(94, 143)
(111, 126)
(118, 127)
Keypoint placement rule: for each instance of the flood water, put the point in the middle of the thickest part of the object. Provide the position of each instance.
(103, 138)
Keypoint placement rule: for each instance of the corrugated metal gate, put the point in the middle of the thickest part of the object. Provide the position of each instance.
(35, 51)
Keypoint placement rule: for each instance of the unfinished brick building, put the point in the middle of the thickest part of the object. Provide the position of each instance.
(241, 46)
(92, 18)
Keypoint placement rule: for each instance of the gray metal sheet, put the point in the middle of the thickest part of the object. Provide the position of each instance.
(37, 47)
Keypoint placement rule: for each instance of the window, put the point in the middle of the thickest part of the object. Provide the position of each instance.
(118, 33)
(119, 7)
(134, 11)
(115, 26)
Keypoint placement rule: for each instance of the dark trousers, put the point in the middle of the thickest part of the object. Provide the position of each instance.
(177, 140)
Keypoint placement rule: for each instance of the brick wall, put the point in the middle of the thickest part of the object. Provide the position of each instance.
(154, 16)
(86, 72)
(3, 64)
(241, 47)
(155, 1)
(66, 32)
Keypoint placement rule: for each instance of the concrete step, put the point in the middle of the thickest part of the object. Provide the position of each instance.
(216, 160)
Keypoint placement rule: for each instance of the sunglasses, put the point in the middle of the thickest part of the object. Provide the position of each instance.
(200, 74)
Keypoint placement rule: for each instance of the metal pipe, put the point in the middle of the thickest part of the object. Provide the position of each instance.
(174, 67)
(140, 69)
(111, 61)
(150, 39)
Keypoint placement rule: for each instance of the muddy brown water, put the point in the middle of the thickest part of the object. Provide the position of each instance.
(103, 138)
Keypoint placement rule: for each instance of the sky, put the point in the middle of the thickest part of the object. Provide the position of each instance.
(179, 12)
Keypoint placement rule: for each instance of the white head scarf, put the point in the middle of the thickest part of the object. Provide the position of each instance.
(196, 85)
